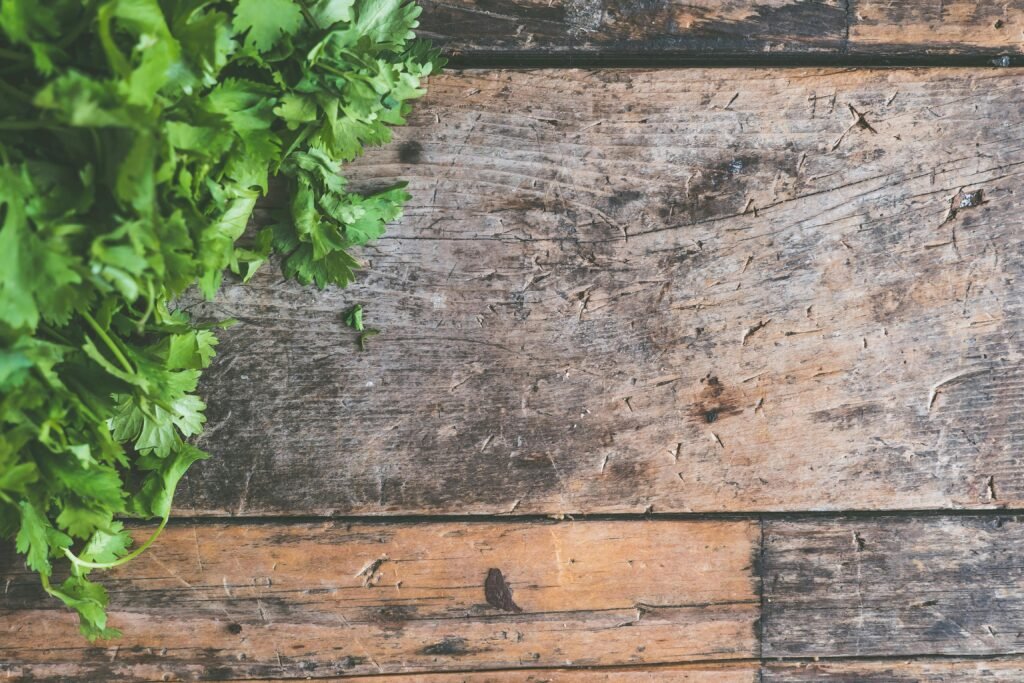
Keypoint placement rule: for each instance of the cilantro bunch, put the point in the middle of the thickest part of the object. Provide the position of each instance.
(136, 137)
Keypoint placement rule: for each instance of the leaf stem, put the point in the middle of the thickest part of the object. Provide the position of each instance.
(109, 342)
(76, 560)
(14, 55)
(29, 125)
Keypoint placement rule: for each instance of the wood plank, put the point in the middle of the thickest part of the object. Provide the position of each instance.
(715, 28)
(618, 291)
(690, 673)
(269, 600)
(893, 587)
(910, 671)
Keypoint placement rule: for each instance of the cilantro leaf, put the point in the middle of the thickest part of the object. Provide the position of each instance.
(266, 21)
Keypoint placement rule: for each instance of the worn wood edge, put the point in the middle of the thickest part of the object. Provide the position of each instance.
(751, 29)
(297, 600)
(897, 670)
(727, 672)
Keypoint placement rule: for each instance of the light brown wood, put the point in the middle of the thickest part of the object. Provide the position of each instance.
(619, 291)
(269, 600)
(892, 587)
(907, 671)
(693, 673)
(725, 28)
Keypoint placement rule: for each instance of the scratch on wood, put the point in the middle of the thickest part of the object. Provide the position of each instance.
(749, 332)
(368, 571)
(938, 386)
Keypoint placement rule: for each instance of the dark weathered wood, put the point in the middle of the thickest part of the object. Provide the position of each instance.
(267, 600)
(617, 291)
(710, 28)
(929, 586)
(901, 671)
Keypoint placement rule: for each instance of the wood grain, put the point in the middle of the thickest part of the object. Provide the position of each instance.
(905, 671)
(266, 600)
(893, 587)
(717, 28)
(622, 291)
(691, 673)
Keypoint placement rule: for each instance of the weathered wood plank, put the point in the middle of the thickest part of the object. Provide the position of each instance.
(910, 586)
(269, 600)
(691, 673)
(680, 290)
(709, 28)
(910, 671)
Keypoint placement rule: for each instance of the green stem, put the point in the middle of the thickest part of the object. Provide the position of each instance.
(45, 580)
(29, 125)
(87, 18)
(14, 92)
(109, 342)
(299, 139)
(309, 17)
(50, 332)
(12, 54)
(121, 560)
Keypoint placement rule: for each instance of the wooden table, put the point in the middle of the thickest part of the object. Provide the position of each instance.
(704, 371)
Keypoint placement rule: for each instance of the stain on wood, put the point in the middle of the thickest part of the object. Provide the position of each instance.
(905, 587)
(620, 291)
(270, 600)
(498, 593)
(709, 28)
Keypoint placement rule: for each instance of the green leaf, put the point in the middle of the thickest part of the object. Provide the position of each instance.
(266, 21)
(354, 318)
(32, 538)
(107, 545)
(90, 601)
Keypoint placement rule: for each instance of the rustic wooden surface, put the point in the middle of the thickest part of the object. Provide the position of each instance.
(294, 600)
(290, 600)
(697, 673)
(667, 291)
(732, 295)
(715, 28)
(1009, 670)
(893, 587)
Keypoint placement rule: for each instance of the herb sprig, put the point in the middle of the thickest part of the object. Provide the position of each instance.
(136, 137)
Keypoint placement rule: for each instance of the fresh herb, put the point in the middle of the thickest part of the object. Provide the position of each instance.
(136, 137)
(354, 319)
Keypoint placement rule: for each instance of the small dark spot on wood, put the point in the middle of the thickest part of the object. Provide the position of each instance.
(999, 23)
(218, 673)
(964, 200)
(858, 542)
(623, 197)
(410, 152)
(449, 646)
(860, 119)
(498, 592)
(711, 415)
(350, 662)
(234, 628)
